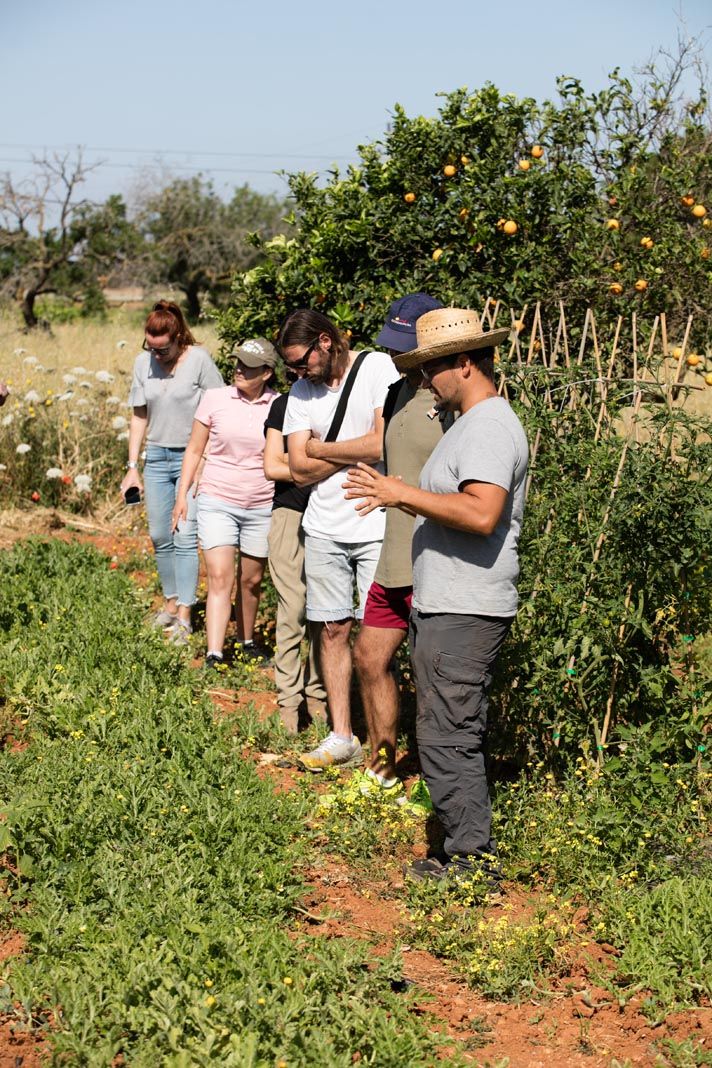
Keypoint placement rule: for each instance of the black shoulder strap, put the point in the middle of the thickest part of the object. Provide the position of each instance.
(447, 419)
(391, 400)
(340, 412)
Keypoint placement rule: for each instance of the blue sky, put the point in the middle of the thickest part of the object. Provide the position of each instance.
(240, 90)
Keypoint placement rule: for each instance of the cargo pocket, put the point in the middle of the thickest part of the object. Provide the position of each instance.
(460, 698)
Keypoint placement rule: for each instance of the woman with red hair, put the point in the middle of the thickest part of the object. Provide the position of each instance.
(169, 379)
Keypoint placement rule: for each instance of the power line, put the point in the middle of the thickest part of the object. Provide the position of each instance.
(178, 152)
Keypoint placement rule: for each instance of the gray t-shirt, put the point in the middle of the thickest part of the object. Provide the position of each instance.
(471, 574)
(171, 398)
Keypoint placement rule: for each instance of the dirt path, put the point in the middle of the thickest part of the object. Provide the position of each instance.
(575, 1024)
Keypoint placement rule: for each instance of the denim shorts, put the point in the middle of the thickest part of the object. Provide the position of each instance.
(222, 523)
(331, 568)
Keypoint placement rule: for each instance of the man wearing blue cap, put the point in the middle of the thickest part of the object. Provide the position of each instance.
(412, 429)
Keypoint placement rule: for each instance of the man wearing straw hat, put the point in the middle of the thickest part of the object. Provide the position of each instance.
(469, 507)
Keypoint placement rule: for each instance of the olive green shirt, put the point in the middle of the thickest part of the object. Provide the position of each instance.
(410, 438)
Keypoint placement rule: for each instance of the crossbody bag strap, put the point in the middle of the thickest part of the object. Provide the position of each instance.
(340, 412)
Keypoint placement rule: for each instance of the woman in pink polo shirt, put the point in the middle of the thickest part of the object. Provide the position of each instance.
(235, 498)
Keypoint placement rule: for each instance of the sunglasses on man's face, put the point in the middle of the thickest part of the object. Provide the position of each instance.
(431, 368)
(303, 362)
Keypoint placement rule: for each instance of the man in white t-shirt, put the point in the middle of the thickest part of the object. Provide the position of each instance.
(339, 546)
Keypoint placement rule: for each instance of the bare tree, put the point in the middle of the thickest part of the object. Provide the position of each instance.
(53, 240)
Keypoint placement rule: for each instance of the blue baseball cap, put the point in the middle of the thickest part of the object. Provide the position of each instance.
(398, 331)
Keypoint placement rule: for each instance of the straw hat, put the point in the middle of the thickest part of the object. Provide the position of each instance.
(444, 332)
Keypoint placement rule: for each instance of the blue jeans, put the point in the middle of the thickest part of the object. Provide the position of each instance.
(176, 552)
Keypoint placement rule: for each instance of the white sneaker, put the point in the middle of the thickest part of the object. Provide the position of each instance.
(333, 752)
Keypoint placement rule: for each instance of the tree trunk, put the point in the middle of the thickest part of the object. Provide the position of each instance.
(192, 297)
(28, 309)
(27, 306)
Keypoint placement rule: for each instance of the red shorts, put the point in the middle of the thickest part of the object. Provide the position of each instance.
(388, 607)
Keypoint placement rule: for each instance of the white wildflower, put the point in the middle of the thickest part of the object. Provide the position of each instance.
(123, 436)
(104, 376)
(69, 380)
(113, 400)
(83, 483)
(119, 423)
(83, 418)
(19, 352)
(121, 344)
(32, 396)
(31, 360)
(22, 448)
(54, 472)
(83, 401)
(79, 371)
(66, 396)
(7, 419)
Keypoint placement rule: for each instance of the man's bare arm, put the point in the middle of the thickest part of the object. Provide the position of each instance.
(304, 470)
(476, 508)
(366, 449)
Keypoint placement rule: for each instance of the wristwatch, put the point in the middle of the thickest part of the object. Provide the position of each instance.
(132, 464)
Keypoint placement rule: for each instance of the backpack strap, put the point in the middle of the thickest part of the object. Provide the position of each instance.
(340, 412)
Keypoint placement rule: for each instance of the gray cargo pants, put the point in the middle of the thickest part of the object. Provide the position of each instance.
(453, 659)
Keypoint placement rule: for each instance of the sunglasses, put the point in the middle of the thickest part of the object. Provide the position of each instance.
(303, 361)
(431, 368)
(165, 351)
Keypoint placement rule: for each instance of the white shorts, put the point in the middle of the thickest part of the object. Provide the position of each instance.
(332, 568)
(221, 523)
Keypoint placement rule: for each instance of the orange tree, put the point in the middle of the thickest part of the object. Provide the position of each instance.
(598, 200)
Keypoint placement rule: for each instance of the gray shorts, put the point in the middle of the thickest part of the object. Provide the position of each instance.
(331, 569)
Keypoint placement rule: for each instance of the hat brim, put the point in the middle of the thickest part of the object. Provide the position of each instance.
(251, 359)
(449, 347)
(400, 340)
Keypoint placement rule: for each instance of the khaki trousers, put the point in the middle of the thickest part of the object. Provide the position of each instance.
(295, 680)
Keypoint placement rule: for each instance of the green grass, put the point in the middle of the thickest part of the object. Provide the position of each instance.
(152, 872)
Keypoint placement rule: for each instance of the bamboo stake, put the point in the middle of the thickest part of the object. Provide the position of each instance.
(681, 364)
(614, 678)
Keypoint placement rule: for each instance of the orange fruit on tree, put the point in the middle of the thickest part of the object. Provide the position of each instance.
(693, 360)
(510, 228)
(707, 223)
(615, 288)
(618, 266)
(705, 253)
(537, 151)
(688, 200)
(464, 160)
(500, 223)
(613, 201)
(409, 198)
(646, 242)
(463, 213)
(518, 325)
(449, 170)
(676, 353)
(524, 165)
(612, 224)
(437, 254)
(641, 285)
(708, 379)
(698, 210)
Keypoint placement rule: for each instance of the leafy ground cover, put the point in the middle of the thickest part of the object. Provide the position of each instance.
(152, 873)
(144, 836)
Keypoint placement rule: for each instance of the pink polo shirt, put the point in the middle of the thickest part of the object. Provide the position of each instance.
(233, 471)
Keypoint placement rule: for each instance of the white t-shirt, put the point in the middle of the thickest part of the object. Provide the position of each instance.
(312, 407)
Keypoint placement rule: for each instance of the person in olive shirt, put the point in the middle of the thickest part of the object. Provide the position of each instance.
(413, 429)
(298, 684)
